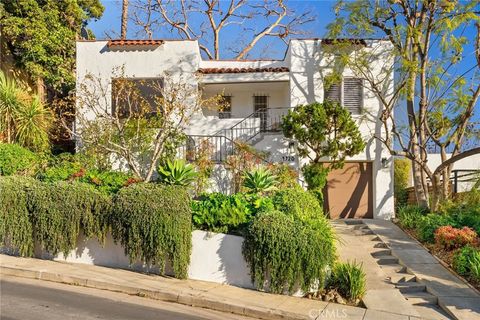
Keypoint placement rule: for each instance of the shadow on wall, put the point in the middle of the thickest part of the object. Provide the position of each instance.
(235, 269)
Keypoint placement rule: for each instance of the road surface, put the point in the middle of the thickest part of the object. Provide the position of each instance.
(26, 299)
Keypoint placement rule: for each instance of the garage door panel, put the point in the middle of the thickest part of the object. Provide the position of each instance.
(348, 193)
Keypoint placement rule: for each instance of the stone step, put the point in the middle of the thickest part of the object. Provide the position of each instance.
(400, 277)
(386, 259)
(380, 244)
(353, 221)
(390, 269)
(379, 253)
(420, 298)
(430, 311)
(408, 287)
(360, 227)
(362, 232)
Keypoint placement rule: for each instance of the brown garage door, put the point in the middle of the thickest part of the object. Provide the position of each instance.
(348, 193)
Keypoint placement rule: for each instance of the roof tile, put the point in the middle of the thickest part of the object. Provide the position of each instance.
(122, 42)
(242, 70)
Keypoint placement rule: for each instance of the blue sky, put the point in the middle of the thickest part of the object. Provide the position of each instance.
(321, 9)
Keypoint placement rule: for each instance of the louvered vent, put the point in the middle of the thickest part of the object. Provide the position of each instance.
(333, 93)
(353, 94)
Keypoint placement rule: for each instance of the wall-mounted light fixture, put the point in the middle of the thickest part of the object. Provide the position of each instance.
(384, 162)
(291, 146)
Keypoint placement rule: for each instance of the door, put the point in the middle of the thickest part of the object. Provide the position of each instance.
(260, 107)
(349, 191)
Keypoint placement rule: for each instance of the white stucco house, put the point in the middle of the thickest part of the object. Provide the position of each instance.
(258, 93)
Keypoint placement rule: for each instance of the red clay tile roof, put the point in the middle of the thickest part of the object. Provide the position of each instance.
(120, 42)
(242, 70)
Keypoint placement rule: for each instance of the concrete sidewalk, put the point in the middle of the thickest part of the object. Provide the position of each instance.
(189, 292)
(452, 294)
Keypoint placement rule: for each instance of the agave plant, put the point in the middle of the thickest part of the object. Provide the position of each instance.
(177, 173)
(260, 181)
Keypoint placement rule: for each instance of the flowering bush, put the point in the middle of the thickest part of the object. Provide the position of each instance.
(449, 237)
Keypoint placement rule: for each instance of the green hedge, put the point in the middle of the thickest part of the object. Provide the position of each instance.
(52, 214)
(153, 223)
(284, 253)
(299, 203)
(15, 159)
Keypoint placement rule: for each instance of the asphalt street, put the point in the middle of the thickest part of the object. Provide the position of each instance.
(25, 299)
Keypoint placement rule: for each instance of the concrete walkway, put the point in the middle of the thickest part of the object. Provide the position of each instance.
(189, 292)
(450, 292)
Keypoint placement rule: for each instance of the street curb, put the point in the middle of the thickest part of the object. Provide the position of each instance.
(168, 296)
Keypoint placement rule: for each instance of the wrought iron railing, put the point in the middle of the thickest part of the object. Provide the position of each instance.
(266, 120)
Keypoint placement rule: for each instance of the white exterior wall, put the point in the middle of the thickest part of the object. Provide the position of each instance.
(94, 58)
(308, 67)
(468, 163)
(302, 84)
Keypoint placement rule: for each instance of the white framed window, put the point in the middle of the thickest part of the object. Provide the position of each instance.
(349, 93)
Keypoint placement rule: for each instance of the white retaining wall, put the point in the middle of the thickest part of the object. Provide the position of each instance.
(215, 257)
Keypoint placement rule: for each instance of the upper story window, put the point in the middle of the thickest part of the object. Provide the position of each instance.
(139, 97)
(349, 93)
(226, 107)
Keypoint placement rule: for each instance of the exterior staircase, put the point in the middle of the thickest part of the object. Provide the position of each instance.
(414, 292)
(249, 130)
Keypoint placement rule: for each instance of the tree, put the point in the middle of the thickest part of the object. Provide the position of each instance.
(123, 29)
(144, 124)
(206, 20)
(24, 119)
(322, 130)
(41, 34)
(428, 42)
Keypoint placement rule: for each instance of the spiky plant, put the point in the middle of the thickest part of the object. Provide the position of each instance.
(259, 181)
(177, 173)
(33, 122)
(10, 104)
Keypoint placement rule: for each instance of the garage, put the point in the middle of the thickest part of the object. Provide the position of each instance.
(348, 193)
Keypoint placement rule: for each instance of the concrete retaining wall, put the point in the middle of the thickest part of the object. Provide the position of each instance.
(215, 257)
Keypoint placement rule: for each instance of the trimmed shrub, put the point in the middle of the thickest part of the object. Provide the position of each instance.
(153, 223)
(16, 230)
(298, 203)
(450, 238)
(427, 226)
(350, 280)
(15, 159)
(60, 209)
(218, 212)
(409, 216)
(466, 262)
(284, 253)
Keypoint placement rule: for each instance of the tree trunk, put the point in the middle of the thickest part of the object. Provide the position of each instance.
(123, 32)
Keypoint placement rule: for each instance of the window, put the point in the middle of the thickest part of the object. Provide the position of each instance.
(349, 93)
(136, 97)
(226, 107)
(260, 105)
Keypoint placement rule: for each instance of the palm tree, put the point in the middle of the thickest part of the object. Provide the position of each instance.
(32, 125)
(10, 103)
(23, 117)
